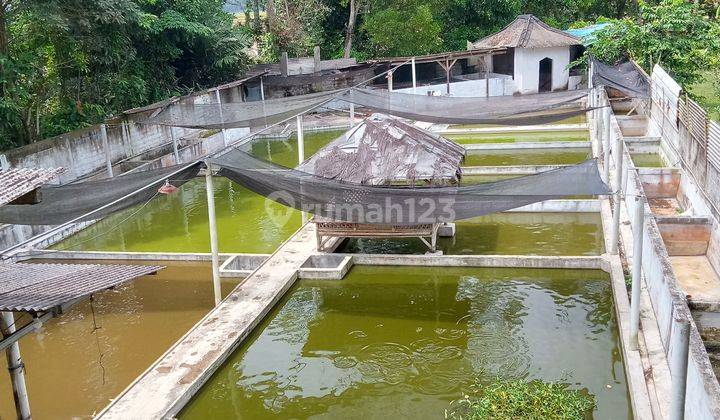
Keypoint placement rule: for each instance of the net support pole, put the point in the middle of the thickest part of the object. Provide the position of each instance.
(300, 140)
(16, 368)
(615, 236)
(262, 89)
(220, 113)
(217, 291)
(414, 77)
(106, 146)
(606, 142)
(680, 346)
(352, 115)
(447, 74)
(390, 81)
(176, 153)
(638, 228)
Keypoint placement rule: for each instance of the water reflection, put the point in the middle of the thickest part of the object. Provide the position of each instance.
(398, 341)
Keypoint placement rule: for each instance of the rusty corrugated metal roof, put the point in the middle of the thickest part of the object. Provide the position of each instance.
(527, 31)
(40, 287)
(14, 183)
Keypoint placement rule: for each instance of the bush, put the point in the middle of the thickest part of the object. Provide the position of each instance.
(512, 400)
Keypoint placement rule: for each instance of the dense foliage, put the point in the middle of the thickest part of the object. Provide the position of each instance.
(510, 400)
(69, 63)
(66, 64)
(675, 34)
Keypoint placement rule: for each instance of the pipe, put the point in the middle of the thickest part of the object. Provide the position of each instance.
(175, 145)
(615, 233)
(638, 231)
(678, 369)
(106, 146)
(222, 120)
(217, 291)
(262, 89)
(16, 368)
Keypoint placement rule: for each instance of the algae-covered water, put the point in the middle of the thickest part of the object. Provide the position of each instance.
(504, 234)
(578, 119)
(526, 157)
(541, 136)
(179, 222)
(72, 370)
(401, 342)
(647, 160)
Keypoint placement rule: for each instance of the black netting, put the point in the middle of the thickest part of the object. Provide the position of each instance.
(343, 201)
(61, 204)
(625, 77)
(501, 110)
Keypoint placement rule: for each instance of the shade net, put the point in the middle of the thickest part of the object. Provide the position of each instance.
(500, 110)
(60, 204)
(238, 114)
(351, 202)
(625, 77)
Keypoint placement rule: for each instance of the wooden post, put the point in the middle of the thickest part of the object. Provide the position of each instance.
(638, 227)
(175, 145)
(222, 120)
(16, 368)
(447, 73)
(316, 60)
(300, 140)
(615, 236)
(106, 146)
(414, 77)
(217, 290)
(284, 64)
(390, 81)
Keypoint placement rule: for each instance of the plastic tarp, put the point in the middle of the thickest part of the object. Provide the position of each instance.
(625, 77)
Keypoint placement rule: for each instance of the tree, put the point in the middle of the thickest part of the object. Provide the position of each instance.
(672, 33)
(403, 30)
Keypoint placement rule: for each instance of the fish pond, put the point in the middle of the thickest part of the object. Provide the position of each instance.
(401, 342)
(526, 157)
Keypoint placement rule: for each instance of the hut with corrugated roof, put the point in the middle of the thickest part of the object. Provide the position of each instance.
(537, 54)
(384, 150)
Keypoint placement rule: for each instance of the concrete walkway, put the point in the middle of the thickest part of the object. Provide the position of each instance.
(170, 382)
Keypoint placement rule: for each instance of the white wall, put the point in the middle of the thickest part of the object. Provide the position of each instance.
(527, 67)
(498, 85)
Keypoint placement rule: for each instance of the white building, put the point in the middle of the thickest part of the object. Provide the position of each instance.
(537, 55)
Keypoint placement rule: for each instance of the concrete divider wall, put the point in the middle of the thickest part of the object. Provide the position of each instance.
(668, 301)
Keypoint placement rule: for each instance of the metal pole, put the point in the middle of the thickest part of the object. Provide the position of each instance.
(606, 142)
(300, 140)
(615, 236)
(638, 228)
(262, 89)
(678, 369)
(175, 145)
(352, 115)
(222, 120)
(16, 368)
(213, 234)
(106, 146)
(447, 73)
(414, 78)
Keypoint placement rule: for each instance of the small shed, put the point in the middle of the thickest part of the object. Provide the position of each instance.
(384, 150)
(537, 54)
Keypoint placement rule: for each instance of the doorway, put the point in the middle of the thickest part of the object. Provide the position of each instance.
(545, 75)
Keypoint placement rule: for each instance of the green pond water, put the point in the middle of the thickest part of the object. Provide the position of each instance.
(647, 160)
(401, 342)
(578, 119)
(503, 234)
(179, 222)
(525, 157)
(474, 138)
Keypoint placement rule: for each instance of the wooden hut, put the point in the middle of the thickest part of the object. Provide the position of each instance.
(384, 150)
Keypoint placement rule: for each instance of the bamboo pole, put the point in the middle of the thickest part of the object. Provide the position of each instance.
(222, 120)
(16, 368)
(217, 291)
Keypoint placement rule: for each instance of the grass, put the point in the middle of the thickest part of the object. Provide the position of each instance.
(708, 93)
(512, 400)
